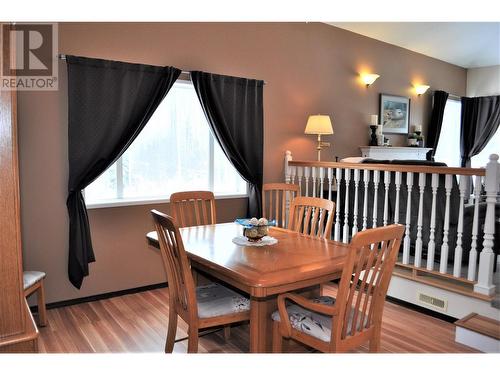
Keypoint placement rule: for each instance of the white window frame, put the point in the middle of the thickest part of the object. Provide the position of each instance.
(123, 202)
(147, 201)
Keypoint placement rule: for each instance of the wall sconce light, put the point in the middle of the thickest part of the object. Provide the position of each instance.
(368, 79)
(421, 89)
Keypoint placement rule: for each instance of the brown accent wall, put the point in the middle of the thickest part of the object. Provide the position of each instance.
(309, 68)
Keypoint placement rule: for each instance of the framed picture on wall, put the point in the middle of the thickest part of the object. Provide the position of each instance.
(395, 113)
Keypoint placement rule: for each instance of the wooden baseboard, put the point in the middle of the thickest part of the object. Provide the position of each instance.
(97, 297)
(442, 281)
(444, 276)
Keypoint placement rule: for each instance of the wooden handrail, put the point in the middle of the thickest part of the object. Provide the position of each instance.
(391, 167)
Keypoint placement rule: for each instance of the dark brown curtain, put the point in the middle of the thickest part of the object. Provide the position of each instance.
(234, 110)
(480, 121)
(109, 102)
(438, 105)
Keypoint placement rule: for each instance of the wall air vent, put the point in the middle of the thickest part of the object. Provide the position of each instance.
(434, 303)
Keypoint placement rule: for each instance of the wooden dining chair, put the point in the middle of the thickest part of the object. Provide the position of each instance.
(33, 283)
(312, 216)
(191, 208)
(274, 201)
(200, 307)
(355, 316)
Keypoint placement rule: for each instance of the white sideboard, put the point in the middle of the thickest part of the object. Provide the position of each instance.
(394, 153)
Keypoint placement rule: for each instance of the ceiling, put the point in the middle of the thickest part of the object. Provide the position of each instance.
(466, 44)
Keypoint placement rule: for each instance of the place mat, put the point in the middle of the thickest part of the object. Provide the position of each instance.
(243, 241)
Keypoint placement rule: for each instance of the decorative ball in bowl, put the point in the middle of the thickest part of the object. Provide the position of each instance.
(255, 229)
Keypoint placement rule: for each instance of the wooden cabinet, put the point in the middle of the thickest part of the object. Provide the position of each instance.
(394, 153)
(18, 332)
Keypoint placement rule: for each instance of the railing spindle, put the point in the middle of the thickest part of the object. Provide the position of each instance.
(376, 180)
(398, 188)
(330, 181)
(457, 263)
(300, 172)
(387, 182)
(431, 246)
(418, 242)
(345, 236)
(338, 175)
(355, 218)
(314, 176)
(366, 180)
(288, 159)
(471, 274)
(321, 181)
(307, 173)
(406, 242)
(443, 262)
(293, 173)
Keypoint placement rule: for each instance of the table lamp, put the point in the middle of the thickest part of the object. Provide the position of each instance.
(319, 124)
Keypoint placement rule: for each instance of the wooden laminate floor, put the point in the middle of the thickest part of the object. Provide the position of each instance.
(138, 323)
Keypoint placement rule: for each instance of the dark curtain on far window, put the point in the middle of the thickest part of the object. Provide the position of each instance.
(234, 110)
(109, 103)
(480, 121)
(439, 103)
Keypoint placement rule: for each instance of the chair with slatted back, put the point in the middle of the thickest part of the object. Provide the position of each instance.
(200, 307)
(274, 201)
(355, 316)
(312, 216)
(191, 208)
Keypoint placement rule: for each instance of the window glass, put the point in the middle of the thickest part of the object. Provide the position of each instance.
(448, 148)
(493, 147)
(174, 152)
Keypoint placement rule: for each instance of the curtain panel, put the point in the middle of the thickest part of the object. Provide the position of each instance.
(439, 103)
(109, 103)
(234, 110)
(479, 121)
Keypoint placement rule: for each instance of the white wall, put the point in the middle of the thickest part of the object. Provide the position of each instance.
(483, 81)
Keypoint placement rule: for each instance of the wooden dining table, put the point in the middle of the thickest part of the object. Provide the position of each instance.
(296, 263)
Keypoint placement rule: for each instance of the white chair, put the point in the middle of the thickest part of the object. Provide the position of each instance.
(33, 282)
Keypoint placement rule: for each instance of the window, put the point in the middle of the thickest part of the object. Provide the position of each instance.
(174, 152)
(493, 147)
(448, 148)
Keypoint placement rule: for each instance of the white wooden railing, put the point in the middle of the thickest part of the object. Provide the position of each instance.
(350, 185)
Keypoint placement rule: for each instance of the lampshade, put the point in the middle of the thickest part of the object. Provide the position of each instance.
(421, 89)
(368, 79)
(319, 124)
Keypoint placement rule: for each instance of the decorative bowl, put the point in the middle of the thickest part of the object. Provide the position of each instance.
(255, 232)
